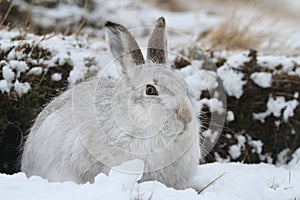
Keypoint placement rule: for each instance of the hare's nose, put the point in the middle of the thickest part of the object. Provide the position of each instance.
(183, 114)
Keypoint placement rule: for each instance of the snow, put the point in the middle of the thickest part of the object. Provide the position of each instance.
(275, 107)
(220, 159)
(238, 60)
(262, 79)
(239, 181)
(230, 116)
(199, 80)
(8, 73)
(4, 86)
(282, 156)
(56, 76)
(232, 81)
(289, 110)
(295, 162)
(214, 105)
(11, 55)
(257, 144)
(21, 88)
(271, 62)
(229, 73)
(36, 71)
(70, 50)
(241, 140)
(235, 150)
(19, 66)
(211, 135)
(75, 52)
(47, 17)
(298, 71)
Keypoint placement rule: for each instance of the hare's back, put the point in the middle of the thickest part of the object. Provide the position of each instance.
(60, 129)
(78, 99)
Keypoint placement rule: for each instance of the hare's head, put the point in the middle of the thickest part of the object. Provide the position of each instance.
(154, 97)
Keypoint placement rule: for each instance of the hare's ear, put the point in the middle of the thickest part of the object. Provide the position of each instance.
(123, 46)
(157, 44)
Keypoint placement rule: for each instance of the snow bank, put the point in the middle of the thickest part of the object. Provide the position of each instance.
(240, 181)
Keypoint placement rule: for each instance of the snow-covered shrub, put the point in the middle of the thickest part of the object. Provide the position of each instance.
(263, 109)
(44, 16)
(262, 122)
(268, 111)
(33, 70)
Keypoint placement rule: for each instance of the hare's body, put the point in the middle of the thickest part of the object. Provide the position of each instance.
(62, 156)
(103, 122)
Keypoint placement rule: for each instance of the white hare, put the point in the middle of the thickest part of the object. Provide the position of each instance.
(147, 114)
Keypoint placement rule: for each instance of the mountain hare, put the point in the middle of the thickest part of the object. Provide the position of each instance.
(147, 114)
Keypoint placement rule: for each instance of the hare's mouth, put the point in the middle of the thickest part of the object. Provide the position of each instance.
(185, 128)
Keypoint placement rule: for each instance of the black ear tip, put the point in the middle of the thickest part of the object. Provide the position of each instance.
(109, 23)
(114, 26)
(161, 22)
(161, 19)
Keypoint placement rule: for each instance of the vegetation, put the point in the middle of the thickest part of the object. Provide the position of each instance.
(18, 112)
(271, 140)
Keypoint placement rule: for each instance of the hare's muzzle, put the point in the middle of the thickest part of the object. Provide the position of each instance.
(183, 114)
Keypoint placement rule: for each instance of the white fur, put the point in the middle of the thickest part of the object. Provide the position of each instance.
(104, 122)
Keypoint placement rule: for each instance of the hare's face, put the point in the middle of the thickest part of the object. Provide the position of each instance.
(158, 100)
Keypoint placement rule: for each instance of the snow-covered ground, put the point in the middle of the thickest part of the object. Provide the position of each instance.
(234, 180)
(226, 181)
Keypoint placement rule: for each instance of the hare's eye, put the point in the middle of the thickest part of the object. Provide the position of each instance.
(150, 90)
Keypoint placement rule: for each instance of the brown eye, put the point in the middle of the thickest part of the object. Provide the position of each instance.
(150, 90)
